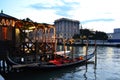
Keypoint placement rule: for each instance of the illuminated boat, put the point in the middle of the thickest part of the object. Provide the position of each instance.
(42, 54)
(58, 62)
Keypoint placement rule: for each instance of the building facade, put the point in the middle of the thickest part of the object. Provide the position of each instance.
(66, 28)
(115, 36)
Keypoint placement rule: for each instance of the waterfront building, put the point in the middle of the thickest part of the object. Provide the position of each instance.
(115, 36)
(7, 24)
(8, 32)
(15, 34)
(66, 28)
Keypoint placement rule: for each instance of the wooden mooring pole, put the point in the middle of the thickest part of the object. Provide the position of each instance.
(87, 50)
(95, 55)
(0, 66)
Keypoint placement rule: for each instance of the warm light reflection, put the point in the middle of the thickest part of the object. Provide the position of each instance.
(84, 50)
(70, 48)
(17, 31)
(32, 27)
(109, 53)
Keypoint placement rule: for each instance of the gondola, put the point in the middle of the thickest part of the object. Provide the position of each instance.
(58, 62)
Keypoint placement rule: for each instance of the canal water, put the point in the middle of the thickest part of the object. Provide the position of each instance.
(107, 68)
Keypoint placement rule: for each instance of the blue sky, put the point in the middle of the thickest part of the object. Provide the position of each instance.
(100, 15)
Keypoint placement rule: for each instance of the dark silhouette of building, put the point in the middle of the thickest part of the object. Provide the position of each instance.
(7, 33)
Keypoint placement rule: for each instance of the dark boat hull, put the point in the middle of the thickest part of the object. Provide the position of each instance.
(39, 66)
(53, 67)
(45, 68)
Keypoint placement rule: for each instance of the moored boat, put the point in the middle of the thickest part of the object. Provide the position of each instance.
(42, 54)
(58, 62)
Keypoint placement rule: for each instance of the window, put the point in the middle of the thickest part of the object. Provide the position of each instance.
(4, 33)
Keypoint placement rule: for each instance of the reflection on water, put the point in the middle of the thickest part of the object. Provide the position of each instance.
(71, 73)
(1, 78)
(108, 67)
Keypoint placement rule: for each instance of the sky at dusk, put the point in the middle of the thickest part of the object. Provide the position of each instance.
(100, 15)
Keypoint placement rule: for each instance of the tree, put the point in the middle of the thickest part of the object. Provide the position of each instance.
(76, 36)
(100, 35)
(93, 35)
(27, 19)
(85, 34)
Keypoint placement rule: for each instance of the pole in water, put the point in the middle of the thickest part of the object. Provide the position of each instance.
(86, 50)
(95, 55)
(0, 66)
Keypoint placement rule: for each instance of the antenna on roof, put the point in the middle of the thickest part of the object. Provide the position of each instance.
(1, 11)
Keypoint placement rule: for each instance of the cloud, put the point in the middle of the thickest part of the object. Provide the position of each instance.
(62, 9)
(105, 26)
(96, 14)
(97, 20)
